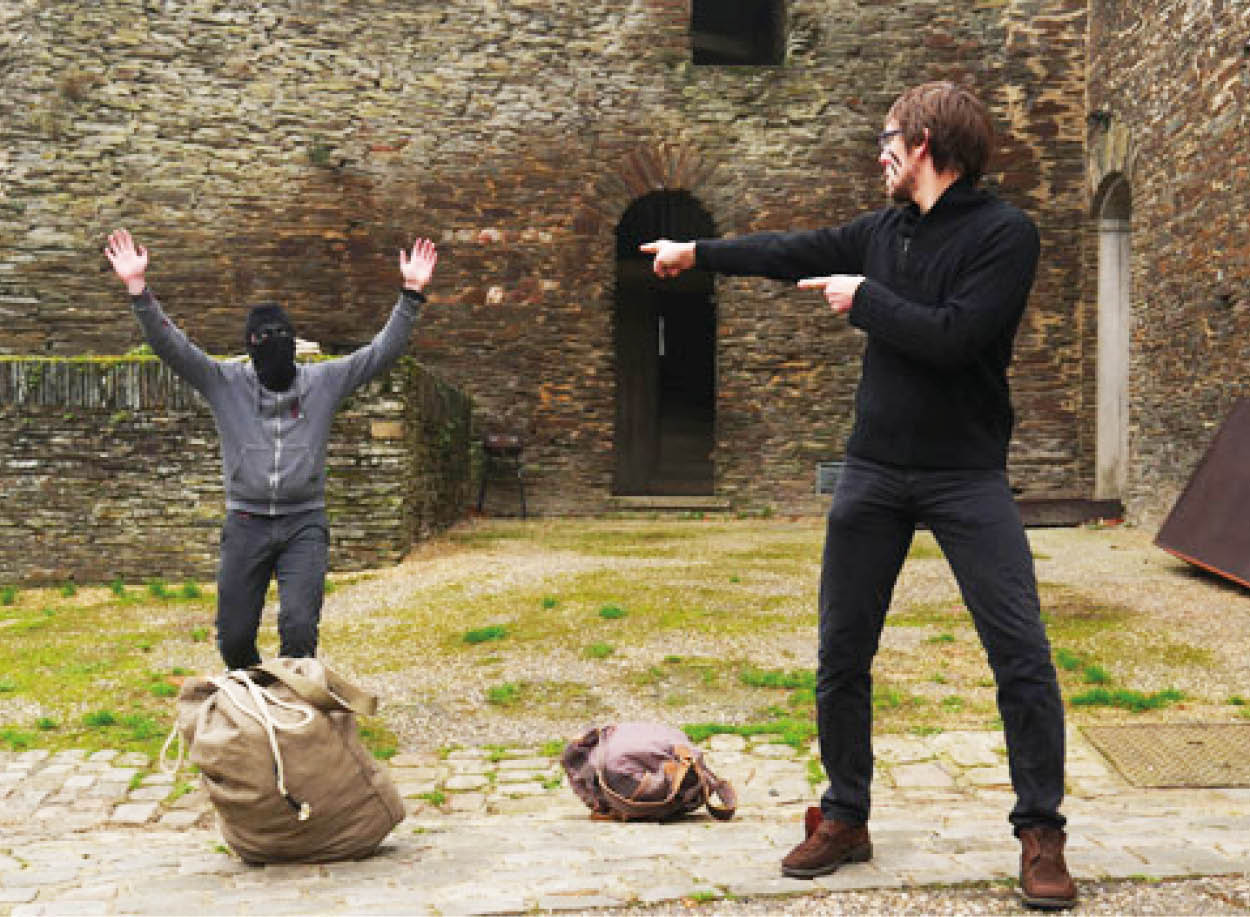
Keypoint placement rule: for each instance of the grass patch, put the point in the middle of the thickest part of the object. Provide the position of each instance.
(8, 595)
(504, 695)
(612, 612)
(16, 739)
(793, 731)
(75, 650)
(1067, 660)
(1135, 701)
(376, 736)
(760, 678)
(435, 798)
(483, 634)
(815, 772)
(600, 650)
(99, 719)
(1096, 675)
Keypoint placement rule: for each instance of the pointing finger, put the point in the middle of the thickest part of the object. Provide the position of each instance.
(813, 283)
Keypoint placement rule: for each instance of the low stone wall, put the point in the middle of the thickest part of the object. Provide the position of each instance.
(112, 467)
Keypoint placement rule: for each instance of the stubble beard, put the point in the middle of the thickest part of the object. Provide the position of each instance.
(903, 189)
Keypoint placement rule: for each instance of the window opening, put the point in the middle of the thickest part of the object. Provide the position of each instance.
(737, 32)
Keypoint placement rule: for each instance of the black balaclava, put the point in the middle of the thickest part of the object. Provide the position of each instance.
(270, 340)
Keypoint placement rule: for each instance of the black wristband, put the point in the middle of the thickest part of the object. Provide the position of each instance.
(413, 294)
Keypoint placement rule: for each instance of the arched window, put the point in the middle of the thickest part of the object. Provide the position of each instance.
(1113, 208)
(728, 32)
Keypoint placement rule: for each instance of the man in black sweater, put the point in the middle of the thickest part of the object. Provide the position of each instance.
(938, 283)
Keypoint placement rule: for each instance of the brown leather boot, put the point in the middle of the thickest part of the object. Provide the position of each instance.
(827, 846)
(811, 820)
(1044, 878)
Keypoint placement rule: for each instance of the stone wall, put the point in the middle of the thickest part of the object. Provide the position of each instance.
(1168, 98)
(111, 467)
(288, 151)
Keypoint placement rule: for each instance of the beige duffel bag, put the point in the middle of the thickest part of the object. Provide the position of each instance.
(282, 762)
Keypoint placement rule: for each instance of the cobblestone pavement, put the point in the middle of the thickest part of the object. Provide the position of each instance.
(500, 832)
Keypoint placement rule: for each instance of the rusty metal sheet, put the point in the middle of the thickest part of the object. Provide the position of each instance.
(1208, 524)
(1177, 754)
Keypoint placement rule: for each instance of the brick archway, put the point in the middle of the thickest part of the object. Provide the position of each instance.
(664, 166)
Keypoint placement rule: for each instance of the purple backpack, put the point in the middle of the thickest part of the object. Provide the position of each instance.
(643, 772)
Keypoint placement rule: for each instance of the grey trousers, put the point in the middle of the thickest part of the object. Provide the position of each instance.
(255, 549)
(974, 518)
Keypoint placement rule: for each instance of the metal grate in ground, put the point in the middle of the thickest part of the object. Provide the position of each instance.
(1177, 755)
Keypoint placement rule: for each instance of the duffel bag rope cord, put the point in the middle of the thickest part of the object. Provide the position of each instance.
(261, 697)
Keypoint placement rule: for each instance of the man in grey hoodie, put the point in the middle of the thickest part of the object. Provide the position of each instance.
(273, 417)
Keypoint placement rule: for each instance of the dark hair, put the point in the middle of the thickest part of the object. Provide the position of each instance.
(960, 133)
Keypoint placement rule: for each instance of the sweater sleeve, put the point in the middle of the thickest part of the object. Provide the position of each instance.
(789, 256)
(357, 368)
(172, 345)
(987, 300)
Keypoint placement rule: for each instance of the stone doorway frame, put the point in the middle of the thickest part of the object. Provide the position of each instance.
(1110, 177)
(643, 169)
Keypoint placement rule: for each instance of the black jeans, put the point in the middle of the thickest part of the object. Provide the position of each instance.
(974, 518)
(254, 549)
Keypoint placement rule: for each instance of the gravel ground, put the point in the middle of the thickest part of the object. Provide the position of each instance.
(1188, 630)
(1225, 895)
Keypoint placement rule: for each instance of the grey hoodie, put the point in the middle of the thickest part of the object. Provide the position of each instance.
(273, 444)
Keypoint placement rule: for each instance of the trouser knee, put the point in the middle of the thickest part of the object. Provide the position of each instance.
(838, 678)
(1028, 668)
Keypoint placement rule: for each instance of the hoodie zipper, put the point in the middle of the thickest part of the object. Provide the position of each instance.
(277, 457)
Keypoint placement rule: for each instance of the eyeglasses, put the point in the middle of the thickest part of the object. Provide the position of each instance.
(884, 138)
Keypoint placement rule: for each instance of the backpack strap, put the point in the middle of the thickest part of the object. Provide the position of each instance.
(713, 785)
(338, 694)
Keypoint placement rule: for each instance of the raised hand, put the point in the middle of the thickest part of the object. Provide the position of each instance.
(417, 268)
(671, 258)
(129, 261)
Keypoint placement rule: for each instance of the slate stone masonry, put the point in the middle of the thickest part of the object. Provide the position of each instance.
(287, 151)
(112, 467)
